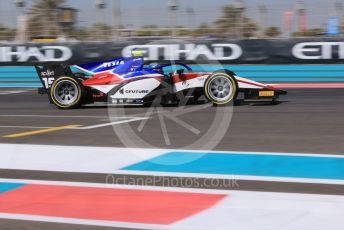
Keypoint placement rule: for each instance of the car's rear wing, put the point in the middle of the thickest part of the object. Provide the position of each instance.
(48, 73)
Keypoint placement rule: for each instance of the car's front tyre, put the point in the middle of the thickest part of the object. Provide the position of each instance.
(221, 88)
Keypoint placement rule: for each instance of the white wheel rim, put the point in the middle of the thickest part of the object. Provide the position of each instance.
(66, 92)
(220, 88)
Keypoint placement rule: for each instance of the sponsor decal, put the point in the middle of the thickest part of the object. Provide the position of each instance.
(47, 78)
(186, 83)
(223, 51)
(137, 91)
(40, 54)
(112, 64)
(266, 93)
(319, 50)
(133, 91)
(48, 81)
(48, 73)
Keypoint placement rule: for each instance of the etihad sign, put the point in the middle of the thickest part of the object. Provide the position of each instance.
(36, 54)
(221, 52)
(319, 50)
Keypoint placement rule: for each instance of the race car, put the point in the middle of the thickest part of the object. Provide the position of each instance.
(128, 81)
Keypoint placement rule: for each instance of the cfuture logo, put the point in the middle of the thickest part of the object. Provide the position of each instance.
(133, 91)
(40, 54)
(137, 91)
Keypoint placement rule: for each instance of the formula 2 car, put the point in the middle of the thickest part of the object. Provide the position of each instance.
(129, 81)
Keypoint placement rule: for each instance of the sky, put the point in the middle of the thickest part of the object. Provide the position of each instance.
(138, 13)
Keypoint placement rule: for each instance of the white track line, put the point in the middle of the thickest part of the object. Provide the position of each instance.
(112, 160)
(131, 119)
(152, 188)
(13, 92)
(233, 177)
(117, 186)
(71, 159)
(60, 116)
(111, 123)
(114, 224)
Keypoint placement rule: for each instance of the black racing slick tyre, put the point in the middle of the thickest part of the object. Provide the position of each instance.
(67, 93)
(221, 88)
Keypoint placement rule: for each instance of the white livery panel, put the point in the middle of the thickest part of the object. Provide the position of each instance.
(137, 89)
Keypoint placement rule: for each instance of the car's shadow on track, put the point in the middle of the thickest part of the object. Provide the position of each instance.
(106, 106)
(237, 103)
(259, 103)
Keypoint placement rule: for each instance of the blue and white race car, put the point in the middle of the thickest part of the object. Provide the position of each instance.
(129, 81)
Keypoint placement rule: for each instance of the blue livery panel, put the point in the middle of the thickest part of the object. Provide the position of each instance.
(118, 66)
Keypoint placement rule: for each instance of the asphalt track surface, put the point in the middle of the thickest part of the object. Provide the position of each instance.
(305, 121)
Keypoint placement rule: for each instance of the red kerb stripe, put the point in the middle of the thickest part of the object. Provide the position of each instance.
(126, 205)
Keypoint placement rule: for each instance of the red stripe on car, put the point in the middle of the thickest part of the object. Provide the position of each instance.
(186, 76)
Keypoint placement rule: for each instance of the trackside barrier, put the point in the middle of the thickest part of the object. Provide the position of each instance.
(191, 51)
(26, 76)
(270, 61)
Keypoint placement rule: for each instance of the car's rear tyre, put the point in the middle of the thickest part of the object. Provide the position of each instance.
(67, 93)
(221, 88)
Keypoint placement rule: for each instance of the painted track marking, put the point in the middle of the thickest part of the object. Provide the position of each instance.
(246, 165)
(26, 127)
(127, 120)
(13, 92)
(23, 134)
(58, 116)
(117, 160)
(257, 207)
(112, 123)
